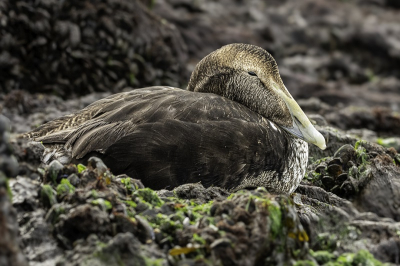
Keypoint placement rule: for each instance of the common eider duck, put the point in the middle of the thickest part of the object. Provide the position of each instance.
(236, 126)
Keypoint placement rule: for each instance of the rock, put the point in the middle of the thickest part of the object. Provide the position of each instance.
(370, 183)
(82, 221)
(53, 171)
(10, 253)
(92, 50)
(334, 170)
(318, 119)
(334, 140)
(380, 120)
(330, 220)
(124, 248)
(380, 193)
(346, 153)
(74, 180)
(199, 193)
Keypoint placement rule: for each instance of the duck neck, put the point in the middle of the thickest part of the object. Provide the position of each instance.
(223, 84)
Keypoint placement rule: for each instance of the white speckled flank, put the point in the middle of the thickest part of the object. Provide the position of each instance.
(296, 168)
(293, 172)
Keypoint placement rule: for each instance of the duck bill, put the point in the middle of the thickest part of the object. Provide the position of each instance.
(302, 127)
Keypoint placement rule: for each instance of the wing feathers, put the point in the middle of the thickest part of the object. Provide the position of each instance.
(167, 137)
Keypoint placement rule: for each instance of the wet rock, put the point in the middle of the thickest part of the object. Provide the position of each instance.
(334, 140)
(74, 180)
(37, 240)
(82, 221)
(328, 182)
(330, 220)
(98, 165)
(145, 229)
(124, 248)
(380, 193)
(200, 193)
(318, 120)
(346, 153)
(10, 253)
(380, 120)
(53, 171)
(369, 181)
(334, 170)
(26, 193)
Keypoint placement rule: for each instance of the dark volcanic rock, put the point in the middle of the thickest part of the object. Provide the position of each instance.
(335, 226)
(77, 47)
(122, 249)
(199, 193)
(380, 120)
(108, 218)
(10, 253)
(381, 192)
(369, 180)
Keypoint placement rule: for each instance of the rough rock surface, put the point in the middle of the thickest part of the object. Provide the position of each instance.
(78, 47)
(355, 191)
(105, 214)
(10, 253)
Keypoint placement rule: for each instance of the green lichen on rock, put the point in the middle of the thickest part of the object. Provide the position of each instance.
(361, 152)
(55, 212)
(94, 194)
(326, 258)
(129, 185)
(322, 256)
(53, 170)
(154, 262)
(103, 204)
(148, 196)
(81, 168)
(362, 258)
(165, 223)
(305, 263)
(47, 196)
(248, 225)
(65, 188)
(4, 180)
(275, 216)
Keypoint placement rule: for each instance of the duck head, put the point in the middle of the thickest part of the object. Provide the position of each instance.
(249, 75)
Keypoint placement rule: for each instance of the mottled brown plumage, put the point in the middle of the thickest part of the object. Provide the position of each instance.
(232, 128)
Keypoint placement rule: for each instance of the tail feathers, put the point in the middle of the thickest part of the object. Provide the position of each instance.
(56, 137)
(62, 124)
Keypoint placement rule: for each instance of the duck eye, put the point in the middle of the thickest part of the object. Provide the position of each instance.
(251, 73)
